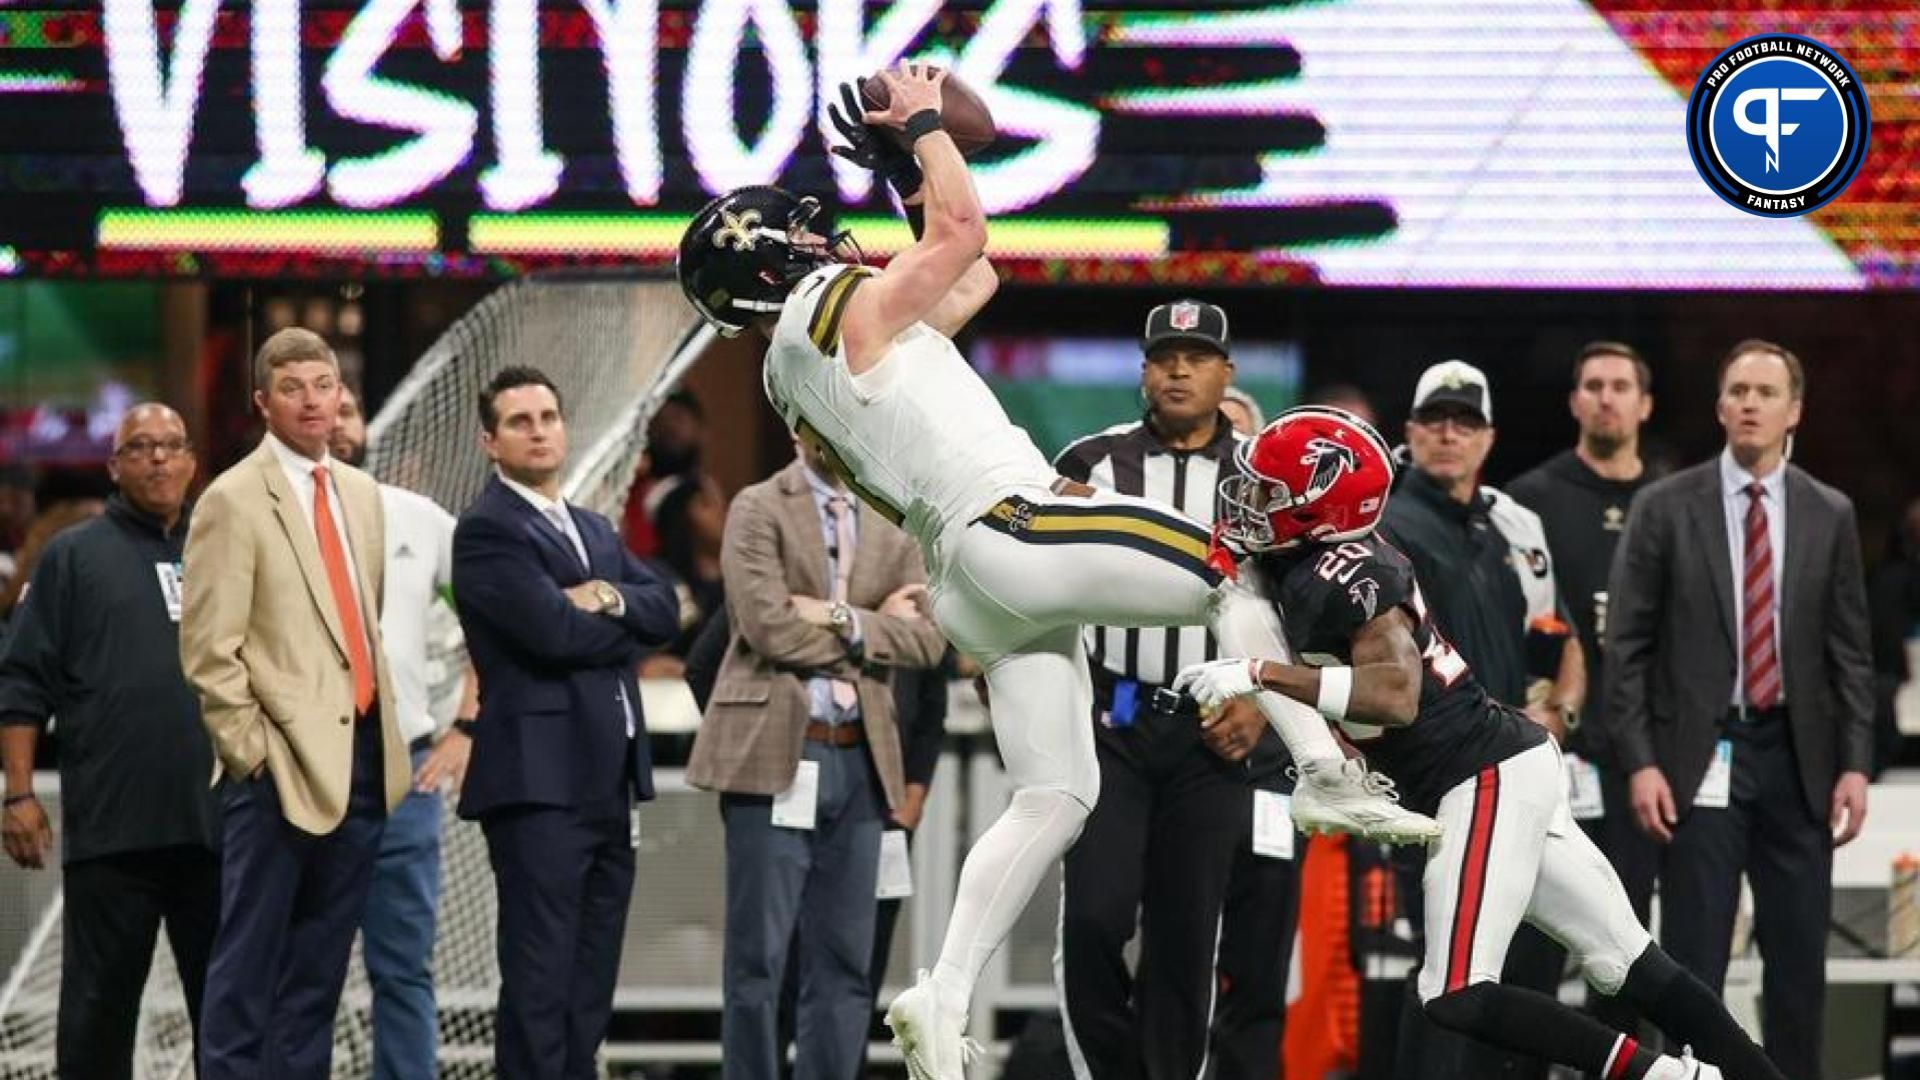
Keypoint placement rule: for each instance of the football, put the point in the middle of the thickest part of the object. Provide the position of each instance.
(962, 113)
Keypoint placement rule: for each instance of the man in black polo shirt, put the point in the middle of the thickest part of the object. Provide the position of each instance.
(96, 641)
(1582, 496)
(1177, 802)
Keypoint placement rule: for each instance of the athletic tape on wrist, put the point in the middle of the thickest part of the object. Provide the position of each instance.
(923, 123)
(1336, 687)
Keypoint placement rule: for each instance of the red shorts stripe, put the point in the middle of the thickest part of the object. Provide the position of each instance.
(1473, 878)
(1622, 1056)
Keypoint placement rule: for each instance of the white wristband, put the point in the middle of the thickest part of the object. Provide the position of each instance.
(1336, 686)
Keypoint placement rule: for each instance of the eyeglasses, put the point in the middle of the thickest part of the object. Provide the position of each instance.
(1465, 422)
(139, 448)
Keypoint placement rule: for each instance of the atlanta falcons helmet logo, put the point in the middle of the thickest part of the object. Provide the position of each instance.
(1329, 461)
(1314, 474)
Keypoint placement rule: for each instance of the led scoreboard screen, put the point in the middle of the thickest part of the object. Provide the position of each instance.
(1523, 143)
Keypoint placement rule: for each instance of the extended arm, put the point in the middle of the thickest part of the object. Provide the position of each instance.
(1385, 674)
(925, 276)
(1382, 686)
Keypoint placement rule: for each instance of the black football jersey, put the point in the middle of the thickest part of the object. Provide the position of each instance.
(1325, 594)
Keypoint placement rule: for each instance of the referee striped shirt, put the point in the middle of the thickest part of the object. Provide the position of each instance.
(1131, 459)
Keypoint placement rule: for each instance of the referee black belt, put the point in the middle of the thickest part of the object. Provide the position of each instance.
(424, 742)
(1143, 697)
(841, 735)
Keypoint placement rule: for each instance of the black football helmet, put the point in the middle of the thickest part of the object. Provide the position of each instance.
(739, 257)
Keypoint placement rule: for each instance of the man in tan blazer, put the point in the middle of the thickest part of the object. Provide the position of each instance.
(280, 636)
(800, 726)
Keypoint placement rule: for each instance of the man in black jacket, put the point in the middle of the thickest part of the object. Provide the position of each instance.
(1441, 519)
(96, 641)
(1444, 520)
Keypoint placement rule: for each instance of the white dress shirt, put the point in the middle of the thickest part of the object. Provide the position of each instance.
(299, 469)
(1735, 501)
(557, 513)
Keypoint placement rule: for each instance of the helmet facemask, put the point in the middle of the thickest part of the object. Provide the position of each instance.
(1248, 501)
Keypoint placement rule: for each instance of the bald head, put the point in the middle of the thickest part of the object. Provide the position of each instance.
(148, 416)
(152, 461)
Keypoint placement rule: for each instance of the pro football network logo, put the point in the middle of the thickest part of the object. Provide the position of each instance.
(1778, 125)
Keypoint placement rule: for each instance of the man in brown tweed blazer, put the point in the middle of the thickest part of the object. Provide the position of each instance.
(799, 740)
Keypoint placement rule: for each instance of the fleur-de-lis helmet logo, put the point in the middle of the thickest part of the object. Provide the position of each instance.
(737, 231)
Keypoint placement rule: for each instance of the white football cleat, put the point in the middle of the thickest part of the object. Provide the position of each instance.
(1356, 800)
(931, 1037)
(1684, 1067)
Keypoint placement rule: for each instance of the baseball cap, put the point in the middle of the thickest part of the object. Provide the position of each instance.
(1186, 320)
(1454, 382)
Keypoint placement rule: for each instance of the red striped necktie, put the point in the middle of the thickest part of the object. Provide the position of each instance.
(1758, 657)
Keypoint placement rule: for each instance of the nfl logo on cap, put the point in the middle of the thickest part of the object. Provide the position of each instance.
(1193, 321)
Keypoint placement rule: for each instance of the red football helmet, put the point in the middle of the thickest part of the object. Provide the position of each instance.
(1316, 474)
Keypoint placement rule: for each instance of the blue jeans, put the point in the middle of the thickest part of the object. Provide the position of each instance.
(397, 939)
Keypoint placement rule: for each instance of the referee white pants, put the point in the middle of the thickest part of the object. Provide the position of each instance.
(1509, 850)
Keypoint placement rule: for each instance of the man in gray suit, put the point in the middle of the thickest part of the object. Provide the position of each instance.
(799, 727)
(1740, 694)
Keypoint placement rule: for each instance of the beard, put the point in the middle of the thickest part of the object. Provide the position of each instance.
(1604, 444)
(354, 454)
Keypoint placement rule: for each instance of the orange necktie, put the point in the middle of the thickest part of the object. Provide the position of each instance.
(341, 584)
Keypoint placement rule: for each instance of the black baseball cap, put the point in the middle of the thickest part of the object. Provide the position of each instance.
(1456, 383)
(1186, 320)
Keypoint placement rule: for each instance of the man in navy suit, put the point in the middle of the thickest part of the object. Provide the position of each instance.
(556, 614)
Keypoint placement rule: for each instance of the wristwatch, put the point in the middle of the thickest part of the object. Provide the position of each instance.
(608, 595)
(841, 617)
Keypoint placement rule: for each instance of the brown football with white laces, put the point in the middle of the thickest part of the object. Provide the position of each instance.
(963, 114)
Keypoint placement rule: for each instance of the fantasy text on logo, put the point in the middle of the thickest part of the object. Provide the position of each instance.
(1778, 125)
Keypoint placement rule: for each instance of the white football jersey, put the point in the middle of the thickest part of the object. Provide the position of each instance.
(919, 437)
